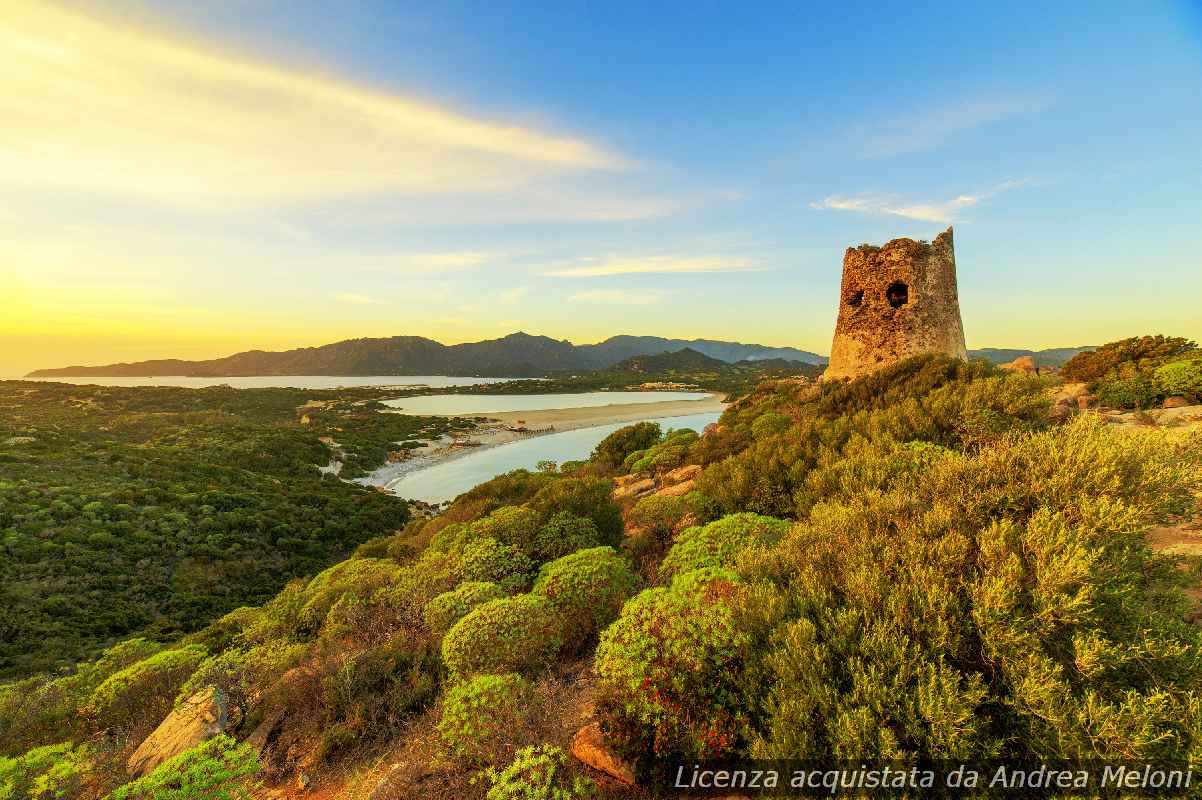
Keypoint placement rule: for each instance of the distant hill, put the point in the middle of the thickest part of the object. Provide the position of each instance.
(686, 360)
(518, 355)
(1053, 357)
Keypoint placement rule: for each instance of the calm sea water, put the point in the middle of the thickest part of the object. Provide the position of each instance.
(279, 381)
(450, 479)
(459, 404)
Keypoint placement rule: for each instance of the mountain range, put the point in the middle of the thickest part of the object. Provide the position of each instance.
(518, 355)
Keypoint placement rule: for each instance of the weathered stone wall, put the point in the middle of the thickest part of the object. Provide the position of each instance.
(896, 301)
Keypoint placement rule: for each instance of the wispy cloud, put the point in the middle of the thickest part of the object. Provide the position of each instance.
(625, 297)
(935, 126)
(941, 211)
(90, 104)
(653, 265)
(357, 299)
(510, 296)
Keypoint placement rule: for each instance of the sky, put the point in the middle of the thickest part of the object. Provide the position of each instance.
(196, 179)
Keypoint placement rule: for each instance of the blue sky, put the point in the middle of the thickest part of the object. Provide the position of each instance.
(272, 174)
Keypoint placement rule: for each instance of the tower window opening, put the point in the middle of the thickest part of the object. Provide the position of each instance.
(856, 298)
(898, 294)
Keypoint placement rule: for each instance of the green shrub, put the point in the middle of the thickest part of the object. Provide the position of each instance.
(720, 543)
(668, 671)
(587, 589)
(769, 423)
(1138, 352)
(1135, 392)
(659, 515)
(52, 772)
(537, 772)
(514, 634)
(613, 450)
(482, 718)
(219, 769)
(242, 674)
(446, 609)
(564, 534)
(1180, 378)
(512, 525)
(142, 694)
(490, 561)
(583, 497)
(40, 710)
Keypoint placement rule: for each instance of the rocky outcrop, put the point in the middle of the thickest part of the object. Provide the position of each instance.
(1070, 398)
(1023, 365)
(590, 748)
(633, 486)
(1176, 401)
(196, 720)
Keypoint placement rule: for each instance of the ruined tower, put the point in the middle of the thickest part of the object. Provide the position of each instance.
(896, 301)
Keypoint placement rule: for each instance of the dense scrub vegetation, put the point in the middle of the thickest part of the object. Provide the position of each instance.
(916, 565)
(152, 511)
(1139, 372)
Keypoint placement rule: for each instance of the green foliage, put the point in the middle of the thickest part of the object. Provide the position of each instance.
(446, 609)
(219, 769)
(615, 448)
(583, 497)
(769, 423)
(667, 671)
(514, 634)
(1138, 391)
(537, 772)
(1123, 358)
(659, 515)
(1182, 377)
(42, 709)
(483, 717)
(487, 560)
(564, 534)
(662, 456)
(929, 399)
(151, 511)
(53, 772)
(587, 589)
(720, 543)
(513, 525)
(242, 674)
(142, 694)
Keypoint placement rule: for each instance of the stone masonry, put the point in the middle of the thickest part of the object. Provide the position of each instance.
(896, 301)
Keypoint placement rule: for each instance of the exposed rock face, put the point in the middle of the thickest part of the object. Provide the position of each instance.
(896, 301)
(1176, 401)
(200, 718)
(1023, 364)
(589, 746)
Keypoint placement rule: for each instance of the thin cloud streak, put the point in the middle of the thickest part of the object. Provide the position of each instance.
(654, 265)
(944, 211)
(934, 127)
(625, 297)
(93, 105)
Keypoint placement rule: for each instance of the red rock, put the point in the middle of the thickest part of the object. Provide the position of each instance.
(1176, 401)
(1084, 401)
(589, 746)
(677, 490)
(681, 474)
(1024, 365)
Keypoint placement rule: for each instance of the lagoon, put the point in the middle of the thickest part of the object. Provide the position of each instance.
(467, 404)
(449, 479)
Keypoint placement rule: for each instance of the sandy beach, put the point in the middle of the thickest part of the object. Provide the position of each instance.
(500, 429)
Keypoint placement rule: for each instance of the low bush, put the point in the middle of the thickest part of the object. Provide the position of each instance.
(538, 772)
(564, 534)
(514, 634)
(52, 772)
(490, 561)
(667, 671)
(446, 609)
(221, 769)
(583, 497)
(1180, 378)
(719, 544)
(1135, 392)
(512, 525)
(659, 515)
(484, 717)
(615, 448)
(243, 674)
(140, 696)
(1138, 353)
(587, 589)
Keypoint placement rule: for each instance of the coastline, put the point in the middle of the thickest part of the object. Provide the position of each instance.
(499, 430)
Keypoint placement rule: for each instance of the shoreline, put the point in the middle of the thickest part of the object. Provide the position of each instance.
(541, 422)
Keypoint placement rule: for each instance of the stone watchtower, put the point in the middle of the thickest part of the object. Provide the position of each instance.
(896, 301)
